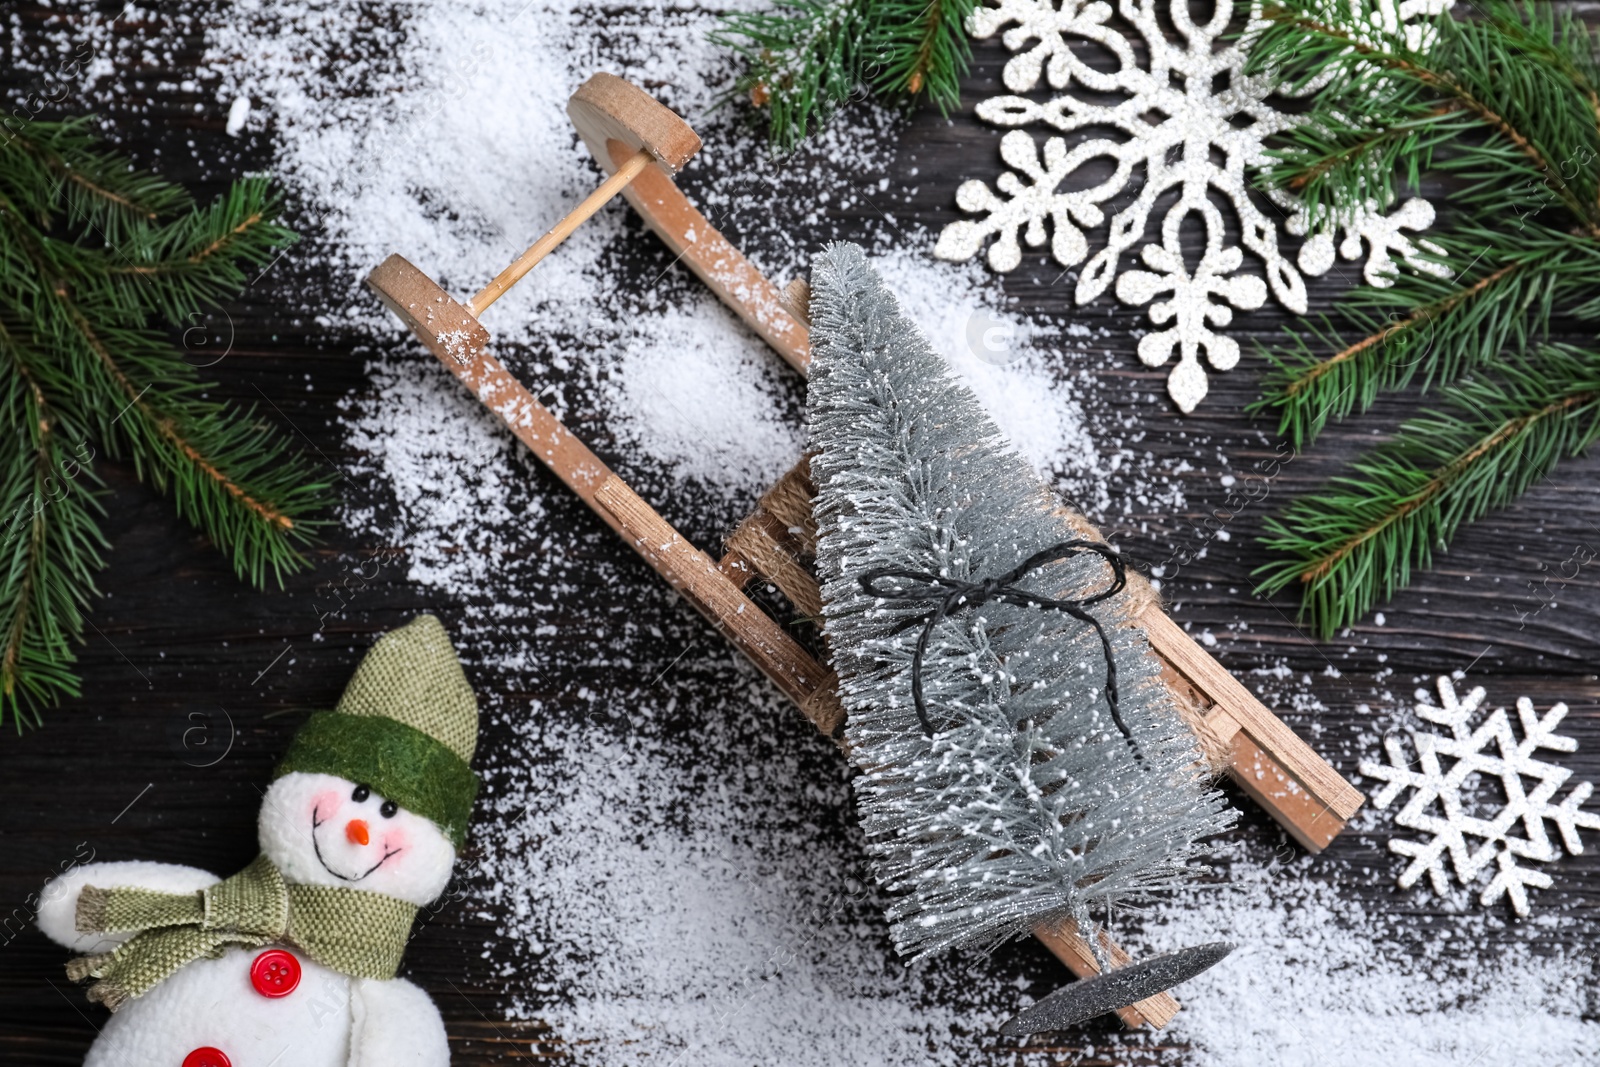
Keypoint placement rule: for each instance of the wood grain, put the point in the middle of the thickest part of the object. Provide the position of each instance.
(701, 247)
(1269, 761)
(697, 576)
(608, 109)
(176, 638)
(456, 339)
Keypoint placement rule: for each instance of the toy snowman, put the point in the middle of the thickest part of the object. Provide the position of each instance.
(291, 962)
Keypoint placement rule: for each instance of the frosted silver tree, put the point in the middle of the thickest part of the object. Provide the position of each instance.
(1039, 794)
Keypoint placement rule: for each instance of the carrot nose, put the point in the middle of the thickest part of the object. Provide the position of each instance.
(356, 831)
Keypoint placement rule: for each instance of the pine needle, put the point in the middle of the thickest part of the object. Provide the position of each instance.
(1357, 542)
(1429, 330)
(94, 257)
(1504, 104)
(924, 48)
(806, 58)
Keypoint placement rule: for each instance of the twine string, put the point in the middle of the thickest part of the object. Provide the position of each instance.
(956, 596)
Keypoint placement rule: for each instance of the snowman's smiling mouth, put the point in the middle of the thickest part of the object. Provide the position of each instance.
(317, 848)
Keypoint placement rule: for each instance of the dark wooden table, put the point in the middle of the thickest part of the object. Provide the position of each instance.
(176, 638)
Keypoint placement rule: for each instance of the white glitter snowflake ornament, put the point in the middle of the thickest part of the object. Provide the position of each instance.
(1189, 123)
(1461, 841)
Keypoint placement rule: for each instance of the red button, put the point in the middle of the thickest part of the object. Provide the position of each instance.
(207, 1057)
(275, 973)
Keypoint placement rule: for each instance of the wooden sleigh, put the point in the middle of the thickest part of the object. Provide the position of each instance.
(641, 144)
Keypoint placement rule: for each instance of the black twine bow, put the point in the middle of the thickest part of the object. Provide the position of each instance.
(963, 595)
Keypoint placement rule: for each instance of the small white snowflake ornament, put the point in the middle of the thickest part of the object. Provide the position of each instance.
(1462, 840)
(1189, 122)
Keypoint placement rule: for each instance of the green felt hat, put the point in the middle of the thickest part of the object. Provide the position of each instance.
(406, 726)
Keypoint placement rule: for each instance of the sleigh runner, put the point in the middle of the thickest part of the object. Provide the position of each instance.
(641, 144)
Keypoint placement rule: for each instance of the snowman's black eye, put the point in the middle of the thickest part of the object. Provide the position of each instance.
(388, 810)
(361, 794)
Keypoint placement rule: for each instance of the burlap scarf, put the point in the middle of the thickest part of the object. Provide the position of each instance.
(351, 931)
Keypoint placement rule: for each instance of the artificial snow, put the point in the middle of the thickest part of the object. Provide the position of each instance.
(238, 115)
(667, 868)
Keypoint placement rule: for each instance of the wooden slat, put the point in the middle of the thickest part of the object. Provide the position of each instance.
(460, 343)
(700, 247)
(1307, 818)
(697, 576)
(762, 545)
(1269, 760)
(609, 108)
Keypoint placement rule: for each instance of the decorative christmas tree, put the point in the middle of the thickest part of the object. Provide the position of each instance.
(1021, 759)
(91, 251)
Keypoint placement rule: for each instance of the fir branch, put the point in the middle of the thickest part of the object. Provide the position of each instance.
(1357, 543)
(1504, 105)
(59, 171)
(229, 474)
(1389, 145)
(199, 258)
(50, 544)
(1471, 69)
(924, 47)
(806, 57)
(1569, 46)
(91, 251)
(1428, 329)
